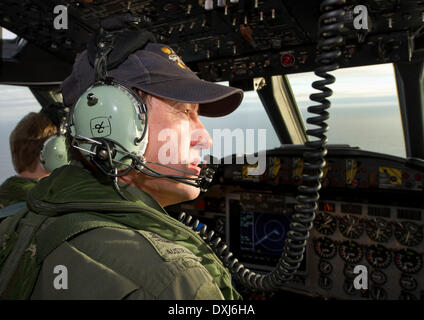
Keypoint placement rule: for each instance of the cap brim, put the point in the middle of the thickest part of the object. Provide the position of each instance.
(214, 100)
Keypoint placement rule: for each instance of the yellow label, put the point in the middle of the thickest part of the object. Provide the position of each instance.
(351, 170)
(297, 167)
(394, 174)
(275, 167)
(245, 170)
(325, 170)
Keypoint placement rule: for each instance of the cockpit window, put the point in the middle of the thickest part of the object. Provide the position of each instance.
(248, 127)
(7, 35)
(364, 108)
(15, 103)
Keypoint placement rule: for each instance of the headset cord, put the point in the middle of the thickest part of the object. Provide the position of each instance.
(329, 38)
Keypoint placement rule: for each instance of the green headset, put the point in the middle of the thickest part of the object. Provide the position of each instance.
(54, 152)
(109, 123)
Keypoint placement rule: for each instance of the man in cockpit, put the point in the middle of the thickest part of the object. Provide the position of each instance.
(108, 235)
(26, 141)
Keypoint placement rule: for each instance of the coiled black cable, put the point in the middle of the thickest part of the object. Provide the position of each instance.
(329, 39)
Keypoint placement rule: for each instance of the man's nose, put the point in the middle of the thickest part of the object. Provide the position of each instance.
(200, 137)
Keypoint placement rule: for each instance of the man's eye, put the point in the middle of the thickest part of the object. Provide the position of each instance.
(186, 111)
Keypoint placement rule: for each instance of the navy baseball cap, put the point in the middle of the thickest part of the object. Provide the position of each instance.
(159, 71)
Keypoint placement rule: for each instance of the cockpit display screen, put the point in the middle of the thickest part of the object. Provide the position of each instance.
(263, 233)
(263, 222)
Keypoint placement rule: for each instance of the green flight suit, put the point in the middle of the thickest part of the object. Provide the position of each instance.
(157, 258)
(15, 190)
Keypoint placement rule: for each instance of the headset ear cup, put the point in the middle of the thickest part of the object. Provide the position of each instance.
(118, 118)
(54, 153)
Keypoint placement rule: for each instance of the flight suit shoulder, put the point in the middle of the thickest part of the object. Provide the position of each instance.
(141, 264)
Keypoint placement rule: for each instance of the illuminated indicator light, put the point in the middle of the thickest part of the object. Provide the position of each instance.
(287, 60)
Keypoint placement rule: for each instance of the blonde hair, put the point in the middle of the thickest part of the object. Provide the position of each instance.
(26, 140)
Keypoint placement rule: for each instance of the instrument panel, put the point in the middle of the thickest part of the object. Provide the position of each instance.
(370, 218)
(227, 40)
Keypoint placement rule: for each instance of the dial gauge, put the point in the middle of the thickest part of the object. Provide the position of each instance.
(379, 230)
(325, 267)
(349, 288)
(379, 256)
(351, 252)
(408, 283)
(325, 223)
(408, 233)
(325, 282)
(325, 247)
(348, 271)
(378, 277)
(408, 261)
(351, 227)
